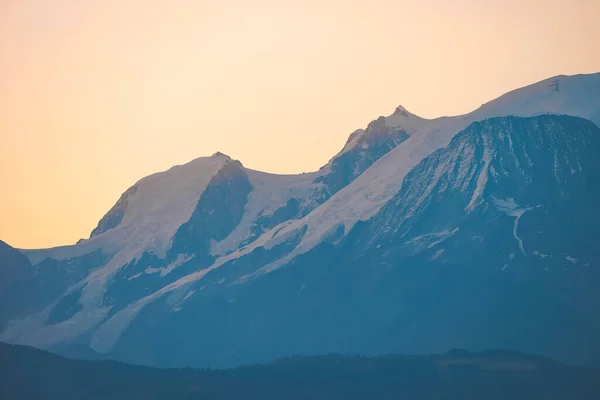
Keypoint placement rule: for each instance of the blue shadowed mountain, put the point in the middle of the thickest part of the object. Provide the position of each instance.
(477, 231)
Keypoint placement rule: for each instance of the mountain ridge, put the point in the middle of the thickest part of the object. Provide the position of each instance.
(220, 231)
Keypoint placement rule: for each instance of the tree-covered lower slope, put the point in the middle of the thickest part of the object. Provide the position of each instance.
(28, 373)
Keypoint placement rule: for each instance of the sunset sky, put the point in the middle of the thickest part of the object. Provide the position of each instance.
(95, 95)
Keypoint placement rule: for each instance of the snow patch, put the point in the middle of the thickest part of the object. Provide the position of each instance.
(135, 276)
(482, 178)
(151, 270)
(541, 255)
(189, 294)
(436, 255)
(509, 207)
(180, 260)
(435, 236)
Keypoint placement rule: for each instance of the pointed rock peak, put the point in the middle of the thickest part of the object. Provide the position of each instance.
(218, 154)
(402, 118)
(378, 123)
(227, 162)
(238, 164)
(400, 110)
(231, 168)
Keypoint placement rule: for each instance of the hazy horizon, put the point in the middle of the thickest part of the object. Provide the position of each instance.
(96, 95)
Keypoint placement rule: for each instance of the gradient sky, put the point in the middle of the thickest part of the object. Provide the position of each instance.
(97, 94)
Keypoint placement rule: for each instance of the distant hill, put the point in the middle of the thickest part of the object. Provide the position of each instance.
(28, 373)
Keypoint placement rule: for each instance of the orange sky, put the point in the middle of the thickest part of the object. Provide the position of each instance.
(97, 94)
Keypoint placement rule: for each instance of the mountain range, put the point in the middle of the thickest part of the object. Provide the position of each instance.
(477, 231)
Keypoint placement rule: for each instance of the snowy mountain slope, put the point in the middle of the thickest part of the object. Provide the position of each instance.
(512, 200)
(214, 227)
(270, 194)
(506, 261)
(578, 96)
(179, 229)
(364, 197)
(518, 170)
(363, 148)
(176, 222)
(150, 211)
(148, 214)
(491, 240)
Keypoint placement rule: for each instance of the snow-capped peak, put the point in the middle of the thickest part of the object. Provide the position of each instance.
(400, 110)
(401, 118)
(218, 154)
(149, 213)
